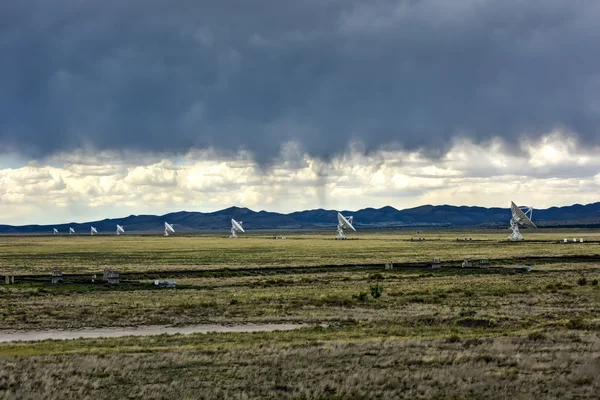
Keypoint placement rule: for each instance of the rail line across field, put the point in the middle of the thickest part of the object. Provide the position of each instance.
(502, 264)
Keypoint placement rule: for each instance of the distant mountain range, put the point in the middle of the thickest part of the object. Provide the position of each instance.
(368, 218)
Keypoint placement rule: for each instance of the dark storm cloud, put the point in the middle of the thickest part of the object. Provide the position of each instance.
(165, 76)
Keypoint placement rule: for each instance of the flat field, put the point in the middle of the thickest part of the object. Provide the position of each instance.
(84, 253)
(371, 332)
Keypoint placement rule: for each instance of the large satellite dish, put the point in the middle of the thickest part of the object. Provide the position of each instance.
(236, 227)
(120, 229)
(521, 216)
(71, 231)
(55, 231)
(344, 223)
(93, 231)
(168, 228)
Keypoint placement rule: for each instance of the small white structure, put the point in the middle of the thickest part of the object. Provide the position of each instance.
(574, 240)
(120, 229)
(580, 240)
(93, 231)
(344, 223)
(170, 284)
(565, 240)
(55, 231)
(236, 227)
(522, 218)
(168, 228)
(111, 276)
(71, 231)
(57, 277)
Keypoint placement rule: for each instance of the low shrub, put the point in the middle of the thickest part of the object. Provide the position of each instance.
(416, 299)
(535, 336)
(467, 313)
(453, 339)
(582, 281)
(595, 282)
(477, 323)
(377, 277)
(333, 300)
(376, 290)
(576, 323)
(558, 286)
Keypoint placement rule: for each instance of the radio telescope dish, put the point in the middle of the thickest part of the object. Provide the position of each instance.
(71, 231)
(93, 231)
(120, 229)
(520, 216)
(168, 228)
(236, 227)
(344, 223)
(55, 231)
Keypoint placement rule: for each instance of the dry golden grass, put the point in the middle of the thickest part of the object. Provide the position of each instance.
(552, 366)
(448, 334)
(508, 298)
(40, 254)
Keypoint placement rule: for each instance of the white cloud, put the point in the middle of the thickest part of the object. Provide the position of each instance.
(557, 150)
(163, 174)
(81, 187)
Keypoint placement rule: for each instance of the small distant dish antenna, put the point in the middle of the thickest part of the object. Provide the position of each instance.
(236, 227)
(55, 231)
(344, 223)
(93, 231)
(521, 216)
(71, 231)
(120, 229)
(168, 228)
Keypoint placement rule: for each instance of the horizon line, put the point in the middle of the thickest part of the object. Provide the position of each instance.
(293, 212)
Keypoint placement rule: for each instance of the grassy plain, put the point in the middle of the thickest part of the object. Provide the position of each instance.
(33, 254)
(449, 333)
(558, 365)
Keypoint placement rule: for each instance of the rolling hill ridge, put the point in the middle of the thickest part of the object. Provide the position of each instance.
(320, 219)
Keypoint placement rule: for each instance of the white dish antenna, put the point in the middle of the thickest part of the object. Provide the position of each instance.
(120, 229)
(344, 223)
(93, 231)
(168, 228)
(521, 216)
(236, 227)
(55, 231)
(71, 231)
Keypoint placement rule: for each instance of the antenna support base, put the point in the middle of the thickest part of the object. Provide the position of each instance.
(516, 235)
(340, 235)
(233, 234)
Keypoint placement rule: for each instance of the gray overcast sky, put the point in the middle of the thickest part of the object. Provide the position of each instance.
(326, 78)
(155, 75)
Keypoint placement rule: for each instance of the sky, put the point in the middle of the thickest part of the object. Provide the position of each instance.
(128, 107)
